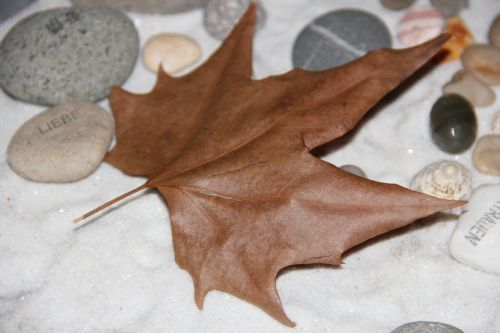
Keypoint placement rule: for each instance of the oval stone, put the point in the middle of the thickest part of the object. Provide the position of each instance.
(68, 54)
(353, 169)
(494, 32)
(471, 88)
(174, 51)
(419, 25)
(397, 4)
(220, 16)
(338, 37)
(146, 6)
(62, 144)
(426, 327)
(453, 124)
(486, 155)
(484, 62)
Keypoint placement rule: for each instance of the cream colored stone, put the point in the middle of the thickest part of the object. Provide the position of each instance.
(174, 51)
(484, 62)
(471, 88)
(486, 155)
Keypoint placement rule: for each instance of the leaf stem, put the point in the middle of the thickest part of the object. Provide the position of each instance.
(110, 202)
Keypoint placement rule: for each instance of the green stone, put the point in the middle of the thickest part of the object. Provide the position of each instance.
(453, 124)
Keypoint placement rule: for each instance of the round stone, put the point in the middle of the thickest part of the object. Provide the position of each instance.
(338, 37)
(494, 33)
(446, 180)
(397, 4)
(484, 62)
(419, 25)
(486, 155)
(68, 54)
(476, 239)
(453, 124)
(62, 144)
(450, 8)
(426, 327)
(175, 52)
(220, 16)
(146, 6)
(471, 88)
(355, 170)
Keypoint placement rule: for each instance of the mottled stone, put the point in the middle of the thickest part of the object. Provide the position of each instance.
(220, 16)
(419, 25)
(483, 61)
(146, 6)
(67, 54)
(494, 32)
(486, 155)
(355, 170)
(62, 144)
(460, 40)
(338, 37)
(450, 8)
(476, 239)
(471, 88)
(397, 4)
(174, 51)
(426, 327)
(453, 124)
(444, 179)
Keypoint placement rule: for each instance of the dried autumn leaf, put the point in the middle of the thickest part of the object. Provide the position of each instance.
(231, 157)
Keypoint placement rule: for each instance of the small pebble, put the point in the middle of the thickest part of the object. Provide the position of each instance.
(446, 180)
(146, 6)
(494, 33)
(62, 144)
(486, 155)
(450, 8)
(174, 51)
(495, 124)
(453, 124)
(419, 25)
(355, 170)
(66, 54)
(460, 40)
(426, 327)
(397, 4)
(476, 239)
(484, 62)
(220, 16)
(338, 37)
(471, 88)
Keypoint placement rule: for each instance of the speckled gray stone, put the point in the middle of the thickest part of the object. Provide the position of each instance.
(450, 8)
(426, 327)
(220, 16)
(67, 54)
(146, 6)
(338, 37)
(62, 144)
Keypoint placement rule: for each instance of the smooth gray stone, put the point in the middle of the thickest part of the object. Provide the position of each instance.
(146, 6)
(426, 327)
(338, 37)
(10, 7)
(68, 54)
(397, 4)
(450, 8)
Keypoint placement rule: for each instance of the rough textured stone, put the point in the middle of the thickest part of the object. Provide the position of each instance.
(426, 327)
(174, 51)
(355, 170)
(63, 144)
(450, 8)
(471, 88)
(419, 25)
(397, 4)
(476, 239)
(494, 33)
(146, 6)
(453, 124)
(67, 54)
(483, 61)
(338, 37)
(486, 155)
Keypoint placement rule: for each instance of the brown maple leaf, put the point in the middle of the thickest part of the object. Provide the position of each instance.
(231, 156)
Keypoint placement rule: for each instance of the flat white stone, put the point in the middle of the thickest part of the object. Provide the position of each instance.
(62, 144)
(476, 239)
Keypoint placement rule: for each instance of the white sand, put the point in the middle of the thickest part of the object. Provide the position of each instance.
(118, 274)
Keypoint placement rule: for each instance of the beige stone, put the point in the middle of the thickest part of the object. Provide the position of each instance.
(174, 51)
(471, 88)
(484, 62)
(486, 155)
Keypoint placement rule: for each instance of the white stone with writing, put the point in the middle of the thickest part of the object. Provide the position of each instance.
(476, 239)
(62, 144)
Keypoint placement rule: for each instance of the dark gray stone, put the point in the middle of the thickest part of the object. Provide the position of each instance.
(9, 8)
(67, 54)
(338, 37)
(450, 8)
(146, 6)
(453, 124)
(397, 4)
(426, 327)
